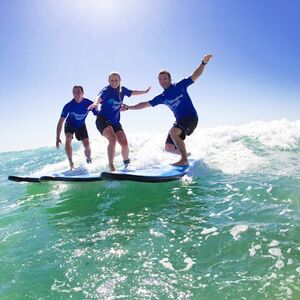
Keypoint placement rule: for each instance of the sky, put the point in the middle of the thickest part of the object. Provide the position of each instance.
(49, 46)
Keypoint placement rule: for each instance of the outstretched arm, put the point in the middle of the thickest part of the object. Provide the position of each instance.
(140, 105)
(136, 93)
(200, 69)
(58, 131)
(95, 104)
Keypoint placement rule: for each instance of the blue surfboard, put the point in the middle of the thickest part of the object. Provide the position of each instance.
(154, 174)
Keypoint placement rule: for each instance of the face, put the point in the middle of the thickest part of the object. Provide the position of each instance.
(114, 81)
(77, 94)
(164, 80)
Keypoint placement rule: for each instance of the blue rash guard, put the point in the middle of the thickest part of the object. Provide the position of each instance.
(111, 103)
(77, 112)
(177, 99)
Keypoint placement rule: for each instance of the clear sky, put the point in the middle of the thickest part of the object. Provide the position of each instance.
(48, 46)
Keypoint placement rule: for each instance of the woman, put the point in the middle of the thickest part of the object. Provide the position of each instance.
(108, 119)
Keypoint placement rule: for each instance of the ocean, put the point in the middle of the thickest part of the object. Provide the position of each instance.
(229, 230)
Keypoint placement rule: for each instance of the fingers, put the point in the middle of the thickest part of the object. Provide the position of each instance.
(207, 57)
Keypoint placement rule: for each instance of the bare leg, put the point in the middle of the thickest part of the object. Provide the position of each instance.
(87, 149)
(109, 133)
(122, 140)
(171, 148)
(175, 135)
(69, 150)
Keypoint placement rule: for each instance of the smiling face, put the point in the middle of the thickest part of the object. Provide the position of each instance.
(78, 93)
(114, 80)
(164, 79)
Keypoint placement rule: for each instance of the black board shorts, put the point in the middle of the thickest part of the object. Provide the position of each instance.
(187, 125)
(80, 133)
(102, 123)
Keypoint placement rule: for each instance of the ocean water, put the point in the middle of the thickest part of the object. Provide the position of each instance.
(229, 230)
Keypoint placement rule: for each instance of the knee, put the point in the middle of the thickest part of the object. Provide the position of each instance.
(169, 147)
(123, 142)
(174, 132)
(86, 143)
(112, 140)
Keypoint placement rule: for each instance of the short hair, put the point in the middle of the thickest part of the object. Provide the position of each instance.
(164, 72)
(78, 87)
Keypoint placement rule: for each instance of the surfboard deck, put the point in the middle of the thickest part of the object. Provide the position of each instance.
(77, 175)
(157, 174)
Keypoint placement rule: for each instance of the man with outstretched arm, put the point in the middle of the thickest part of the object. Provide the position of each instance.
(176, 97)
(75, 113)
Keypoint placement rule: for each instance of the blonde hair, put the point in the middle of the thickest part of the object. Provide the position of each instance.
(120, 85)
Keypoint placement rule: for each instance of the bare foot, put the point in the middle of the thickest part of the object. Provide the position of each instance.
(112, 167)
(72, 167)
(181, 163)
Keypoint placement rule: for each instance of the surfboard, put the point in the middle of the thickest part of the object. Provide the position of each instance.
(24, 178)
(160, 173)
(77, 175)
(154, 174)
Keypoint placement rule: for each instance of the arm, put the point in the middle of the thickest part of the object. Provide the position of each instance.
(140, 105)
(95, 104)
(200, 69)
(136, 93)
(58, 131)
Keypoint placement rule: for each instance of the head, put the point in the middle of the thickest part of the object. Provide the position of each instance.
(164, 78)
(78, 92)
(114, 80)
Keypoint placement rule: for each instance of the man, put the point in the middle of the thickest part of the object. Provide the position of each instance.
(175, 96)
(74, 113)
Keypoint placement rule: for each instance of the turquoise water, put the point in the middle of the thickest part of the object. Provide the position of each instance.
(230, 231)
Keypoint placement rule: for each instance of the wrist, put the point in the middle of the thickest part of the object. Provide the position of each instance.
(203, 63)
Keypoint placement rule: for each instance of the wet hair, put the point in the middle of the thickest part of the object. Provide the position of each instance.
(78, 87)
(164, 72)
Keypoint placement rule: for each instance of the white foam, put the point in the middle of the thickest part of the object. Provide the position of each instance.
(209, 230)
(253, 249)
(279, 264)
(189, 263)
(224, 148)
(156, 233)
(165, 262)
(274, 243)
(275, 252)
(237, 230)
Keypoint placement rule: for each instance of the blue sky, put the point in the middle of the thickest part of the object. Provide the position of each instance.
(48, 46)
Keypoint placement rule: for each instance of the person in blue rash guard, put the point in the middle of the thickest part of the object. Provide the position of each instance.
(176, 97)
(75, 113)
(108, 119)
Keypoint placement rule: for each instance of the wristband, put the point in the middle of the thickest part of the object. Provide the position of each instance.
(203, 63)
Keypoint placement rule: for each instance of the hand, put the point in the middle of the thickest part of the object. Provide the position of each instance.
(148, 89)
(58, 141)
(92, 106)
(206, 58)
(124, 107)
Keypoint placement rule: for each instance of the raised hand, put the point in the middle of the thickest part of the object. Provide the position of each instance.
(206, 58)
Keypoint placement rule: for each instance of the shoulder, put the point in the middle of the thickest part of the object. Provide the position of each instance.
(87, 101)
(105, 90)
(157, 99)
(69, 104)
(126, 91)
(185, 82)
